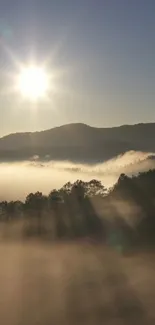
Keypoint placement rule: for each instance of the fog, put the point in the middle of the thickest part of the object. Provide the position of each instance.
(17, 179)
(70, 284)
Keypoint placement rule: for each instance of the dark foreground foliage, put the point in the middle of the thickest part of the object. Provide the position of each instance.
(123, 217)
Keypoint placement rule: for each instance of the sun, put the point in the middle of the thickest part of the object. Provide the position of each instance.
(33, 83)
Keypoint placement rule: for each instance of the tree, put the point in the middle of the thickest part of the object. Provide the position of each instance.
(3, 210)
(91, 188)
(94, 188)
(35, 204)
(55, 201)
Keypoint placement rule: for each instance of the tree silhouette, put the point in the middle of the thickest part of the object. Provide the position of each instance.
(72, 214)
(55, 202)
(35, 204)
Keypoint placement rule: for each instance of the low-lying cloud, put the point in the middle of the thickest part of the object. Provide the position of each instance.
(17, 179)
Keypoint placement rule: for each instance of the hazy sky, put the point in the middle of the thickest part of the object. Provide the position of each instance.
(103, 52)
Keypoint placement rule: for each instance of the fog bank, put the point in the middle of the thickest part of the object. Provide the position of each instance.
(17, 179)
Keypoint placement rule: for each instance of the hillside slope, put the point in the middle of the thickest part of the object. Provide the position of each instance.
(79, 142)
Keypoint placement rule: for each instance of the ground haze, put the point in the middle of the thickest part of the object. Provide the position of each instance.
(76, 283)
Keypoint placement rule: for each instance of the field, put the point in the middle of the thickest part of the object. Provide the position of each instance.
(79, 283)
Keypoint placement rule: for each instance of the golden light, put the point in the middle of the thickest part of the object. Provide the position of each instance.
(33, 83)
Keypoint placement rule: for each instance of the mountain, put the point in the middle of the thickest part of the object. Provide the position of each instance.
(78, 142)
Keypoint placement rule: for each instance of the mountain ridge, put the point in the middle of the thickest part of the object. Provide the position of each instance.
(80, 124)
(79, 142)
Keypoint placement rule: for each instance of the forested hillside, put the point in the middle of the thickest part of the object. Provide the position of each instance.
(85, 210)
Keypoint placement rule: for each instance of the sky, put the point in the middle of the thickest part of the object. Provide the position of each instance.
(102, 53)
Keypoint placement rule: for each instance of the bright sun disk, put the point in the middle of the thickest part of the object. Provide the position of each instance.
(33, 82)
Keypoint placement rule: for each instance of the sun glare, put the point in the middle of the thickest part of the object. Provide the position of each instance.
(33, 83)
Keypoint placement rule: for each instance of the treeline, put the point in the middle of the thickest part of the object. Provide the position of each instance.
(125, 215)
(64, 213)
